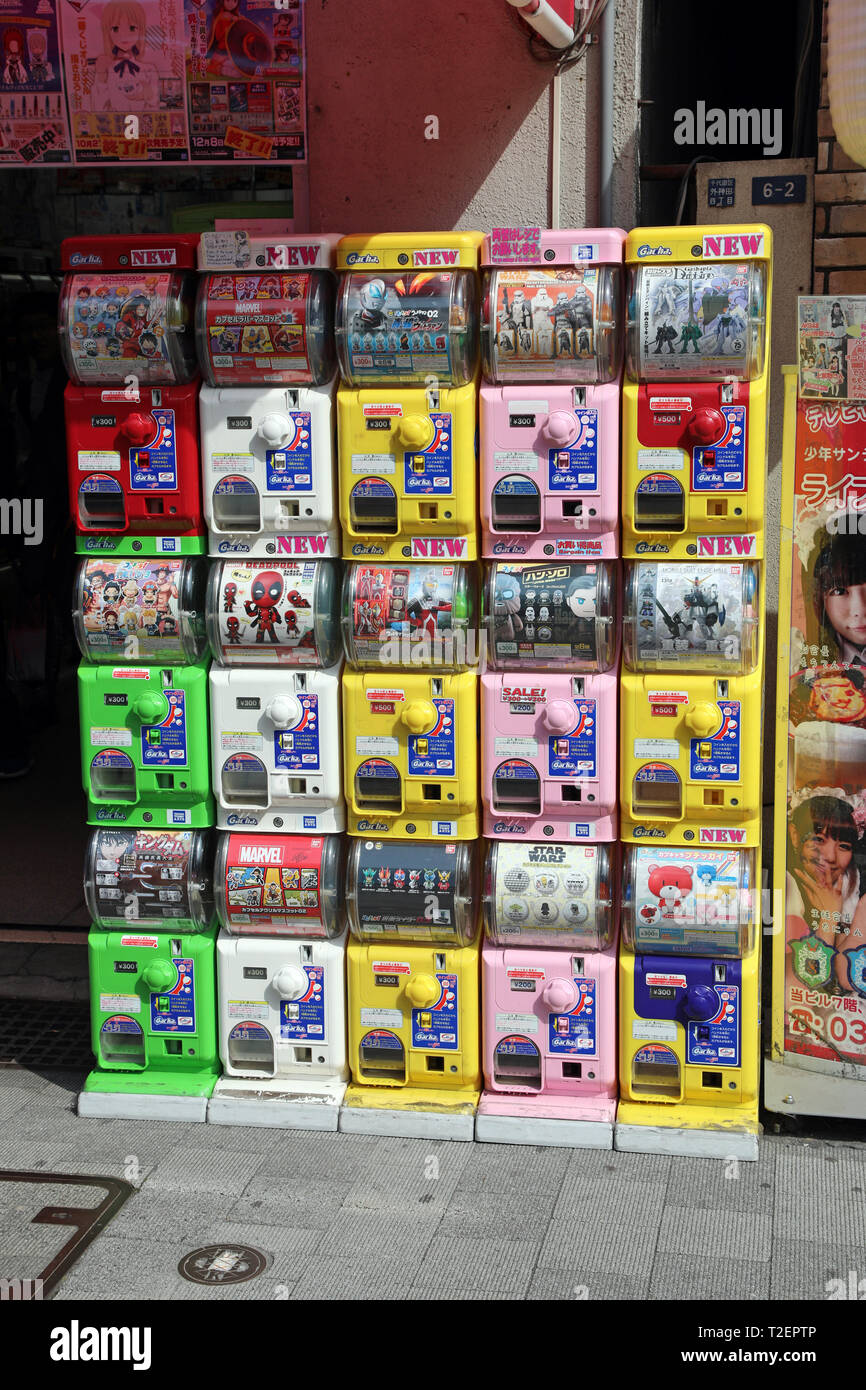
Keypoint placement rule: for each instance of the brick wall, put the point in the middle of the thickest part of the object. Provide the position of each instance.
(840, 206)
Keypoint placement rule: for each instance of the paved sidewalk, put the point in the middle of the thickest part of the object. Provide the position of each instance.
(346, 1216)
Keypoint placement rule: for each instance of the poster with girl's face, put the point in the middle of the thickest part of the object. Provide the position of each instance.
(825, 899)
(125, 66)
(33, 127)
(245, 76)
(832, 347)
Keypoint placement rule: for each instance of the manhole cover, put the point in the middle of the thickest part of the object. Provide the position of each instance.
(222, 1264)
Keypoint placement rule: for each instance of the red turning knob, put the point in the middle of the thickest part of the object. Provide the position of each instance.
(138, 428)
(706, 426)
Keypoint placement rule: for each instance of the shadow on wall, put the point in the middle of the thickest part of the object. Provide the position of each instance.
(377, 76)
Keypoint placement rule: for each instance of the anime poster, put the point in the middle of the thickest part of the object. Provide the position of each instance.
(825, 881)
(33, 127)
(832, 346)
(245, 80)
(125, 80)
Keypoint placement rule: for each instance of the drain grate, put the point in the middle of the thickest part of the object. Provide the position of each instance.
(222, 1264)
(43, 1035)
(83, 1222)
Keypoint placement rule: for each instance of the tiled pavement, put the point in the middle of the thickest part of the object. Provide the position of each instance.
(350, 1216)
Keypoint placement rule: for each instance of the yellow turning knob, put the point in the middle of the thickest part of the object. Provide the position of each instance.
(419, 716)
(703, 718)
(423, 991)
(415, 431)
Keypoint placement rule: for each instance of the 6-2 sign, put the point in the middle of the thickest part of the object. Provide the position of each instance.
(785, 188)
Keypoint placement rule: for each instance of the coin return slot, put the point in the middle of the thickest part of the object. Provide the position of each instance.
(572, 1071)
(573, 507)
(711, 1080)
(381, 793)
(165, 781)
(569, 792)
(245, 787)
(714, 796)
(304, 1055)
(122, 1049)
(174, 1047)
(289, 510)
(717, 506)
(428, 511)
(431, 791)
(661, 511)
(386, 1063)
(112, 783)
(513, 1069)
(519, 794)
(252, 1054)
(656, 1078)
(101, 511)
(154, 506)
(516, 510)
(374, 513)
(657, 798)
(434, 1063)
(237, 511)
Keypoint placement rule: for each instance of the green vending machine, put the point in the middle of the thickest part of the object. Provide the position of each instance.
(152, 953)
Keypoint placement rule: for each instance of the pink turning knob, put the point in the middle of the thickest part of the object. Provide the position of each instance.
(559, 716)
(561, 427)
(560, 995)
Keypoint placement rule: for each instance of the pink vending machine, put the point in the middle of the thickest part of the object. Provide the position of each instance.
(551, 337)
(548, 971)
(549, 702)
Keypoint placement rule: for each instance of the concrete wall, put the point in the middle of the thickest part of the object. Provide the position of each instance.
(379, 69)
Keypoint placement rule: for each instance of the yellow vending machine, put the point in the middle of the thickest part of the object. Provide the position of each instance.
(694, 447)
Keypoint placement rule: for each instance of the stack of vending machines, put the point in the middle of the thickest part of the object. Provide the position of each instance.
(407, 345)
(694, 466)
(552, 331)
(265, 338)
(138, 612)
(131, 404)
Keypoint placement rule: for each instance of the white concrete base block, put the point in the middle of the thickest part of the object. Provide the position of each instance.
(407, 1124)
(789, 1090)
(125, 1105)
(687, 1143)
(275, 1105)
(563, 1134)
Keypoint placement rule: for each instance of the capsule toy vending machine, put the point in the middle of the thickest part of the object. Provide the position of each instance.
(552, 339)
(689, 1001)
(275, 695)
(282, 980)
(413, 989)
(131, 405)
(694, 438)
(549, 701)
(695, 398)
(265, 342)
(548, 971)
(152, 974)
(407, 346)
(142, 691)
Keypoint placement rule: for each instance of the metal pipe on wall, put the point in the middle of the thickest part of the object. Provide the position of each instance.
(605, 128)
